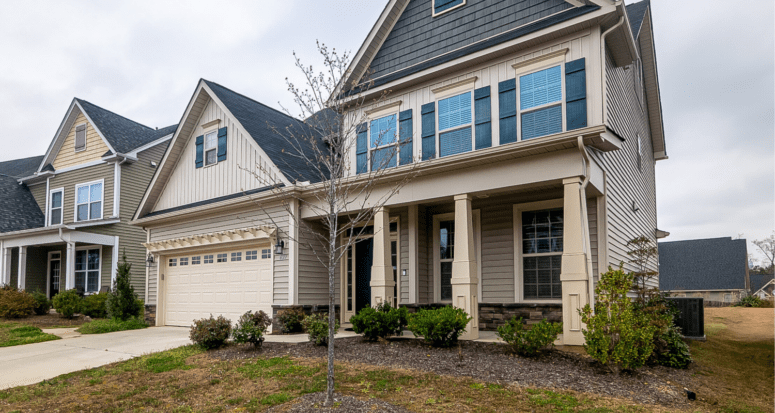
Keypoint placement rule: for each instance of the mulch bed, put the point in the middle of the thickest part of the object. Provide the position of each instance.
(313, 402)
(492, 362)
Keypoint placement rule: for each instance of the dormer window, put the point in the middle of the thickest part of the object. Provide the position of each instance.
(443, 6)
(211, 148)
(80, 138)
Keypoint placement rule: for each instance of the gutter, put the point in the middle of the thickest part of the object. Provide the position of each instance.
(585, 218)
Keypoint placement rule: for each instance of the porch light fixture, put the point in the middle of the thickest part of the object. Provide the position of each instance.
(278, 248)
(149, 260)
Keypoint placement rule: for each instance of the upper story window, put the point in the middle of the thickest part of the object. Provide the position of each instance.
(211, 148)
(55, 206)
(455, 133)
(88, 201)
(441, 6)
(383, 139)
(540, 102)
(80, 138)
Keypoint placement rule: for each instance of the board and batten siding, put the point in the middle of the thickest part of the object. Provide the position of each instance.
(68, 181)
(223, 221)
(188, 184)
(625, 183)
(579, 44)
(95, 146)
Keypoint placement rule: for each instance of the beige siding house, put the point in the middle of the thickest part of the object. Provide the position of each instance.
(534, 134)
(68, 225)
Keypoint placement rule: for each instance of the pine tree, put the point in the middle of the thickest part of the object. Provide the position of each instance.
(123, 303)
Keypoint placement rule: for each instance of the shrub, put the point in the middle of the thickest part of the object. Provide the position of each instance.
(615, 333)
(67, 303)
(42, 303)
(671, 350)
(251, 327)
(95, 305)
(122, 302)
(381, 322)
(290, 320)
(440, 327)
(112, 324)
(316, 326)
(15, 303)
(211, 332)
(749, 301)
(528, 342)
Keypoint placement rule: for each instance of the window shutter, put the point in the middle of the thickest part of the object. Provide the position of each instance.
(575, 94)
(362, 149)
(405, 137)
(221, 144)
(507, 110)
(482, 117)
(200, 151)
(428, 131)
(80, 137)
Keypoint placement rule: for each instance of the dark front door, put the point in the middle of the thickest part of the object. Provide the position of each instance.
(364, 250)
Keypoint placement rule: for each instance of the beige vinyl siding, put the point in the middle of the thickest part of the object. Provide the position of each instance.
(38, 192)
(105, 270)
(579, 45)
(403, 253)
(497, 235)
(626, 184)
(424, 263)
(313, 275)
(188, 184)
(592, 219)
(68, 181)
(95, 147)
(222, 221)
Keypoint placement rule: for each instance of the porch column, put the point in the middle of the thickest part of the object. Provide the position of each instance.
(465, 279)
(413, 270)
(574, 276)
(382, 270)
(70, 266)
(22, 275)
(5, 277)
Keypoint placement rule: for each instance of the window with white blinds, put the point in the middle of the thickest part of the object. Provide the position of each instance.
(540, 102)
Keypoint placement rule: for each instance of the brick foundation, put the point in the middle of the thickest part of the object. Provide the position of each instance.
(150, 314)
(308, 310)
(492, 316)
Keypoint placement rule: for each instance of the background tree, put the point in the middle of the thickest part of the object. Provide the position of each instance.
(767, 248)
(321, 149)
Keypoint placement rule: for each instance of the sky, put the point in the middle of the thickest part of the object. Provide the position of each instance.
(142, 59)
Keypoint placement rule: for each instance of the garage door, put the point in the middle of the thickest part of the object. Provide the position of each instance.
(224, 282)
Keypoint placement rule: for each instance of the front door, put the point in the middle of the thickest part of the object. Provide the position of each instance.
(364, 253)
(54, 272)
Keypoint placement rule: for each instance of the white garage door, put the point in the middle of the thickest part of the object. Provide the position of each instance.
(225, 282)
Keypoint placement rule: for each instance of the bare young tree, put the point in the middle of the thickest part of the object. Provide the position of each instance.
(767, 248)
(642, 253)
(321, 149)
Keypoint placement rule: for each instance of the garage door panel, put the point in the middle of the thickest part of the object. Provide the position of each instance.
(228, 288)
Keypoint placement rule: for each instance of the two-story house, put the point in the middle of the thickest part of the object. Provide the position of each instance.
(64, 221)
(533, 128)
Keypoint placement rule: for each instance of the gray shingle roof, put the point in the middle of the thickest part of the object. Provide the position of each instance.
(20, 168)
(758, 280)
(636, 12)
(123, 134)
(20, 211)
(703, 264)
(259, 119)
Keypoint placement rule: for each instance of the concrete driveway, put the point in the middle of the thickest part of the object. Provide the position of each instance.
(33, 363)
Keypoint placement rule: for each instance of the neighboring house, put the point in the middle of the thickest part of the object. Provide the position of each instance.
(762, 285)
(64, 220)
(535, 127)
(715, 269)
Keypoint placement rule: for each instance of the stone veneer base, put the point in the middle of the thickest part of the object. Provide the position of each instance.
(150, 315)
(494, 315)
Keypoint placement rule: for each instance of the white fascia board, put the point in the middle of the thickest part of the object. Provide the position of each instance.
(52, 145)
(149, 145)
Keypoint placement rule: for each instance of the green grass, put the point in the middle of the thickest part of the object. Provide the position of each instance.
(14, 334)
(111, 325)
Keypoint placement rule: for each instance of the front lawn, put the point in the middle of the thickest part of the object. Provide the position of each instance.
(111, 325)
(187, 379)
(15, 334)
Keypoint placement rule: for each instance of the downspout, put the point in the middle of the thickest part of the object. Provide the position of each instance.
(603, 84)
(585, 218)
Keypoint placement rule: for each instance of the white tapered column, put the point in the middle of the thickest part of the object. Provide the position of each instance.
(465, 279)
(70, 266)
(5, 277)
(382, 269)
(574, 276)
(22, 275)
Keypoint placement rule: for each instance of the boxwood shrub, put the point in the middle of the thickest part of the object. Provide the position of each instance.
(317, 328)
(251, 327)
(440, 327)
(15, 303)
(94, 305)
(67, 303)
(211, 332)
(42, 303)
(380, 322)
(529, 342)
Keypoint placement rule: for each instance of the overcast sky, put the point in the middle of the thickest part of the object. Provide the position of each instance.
(142, 59)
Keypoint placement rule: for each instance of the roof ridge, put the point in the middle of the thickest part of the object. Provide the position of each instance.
(253, 100)
(113, 113)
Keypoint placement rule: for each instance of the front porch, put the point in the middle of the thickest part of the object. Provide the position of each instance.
(50, 261)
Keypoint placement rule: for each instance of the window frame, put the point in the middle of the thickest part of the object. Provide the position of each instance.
(534, 68)
(450, 216)
(61, 207)
(371, 151)
(87, 248)
(518, 209)
(433, 8)
(75, 137)
(76, 204)
(457, 92)
(205, 149)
